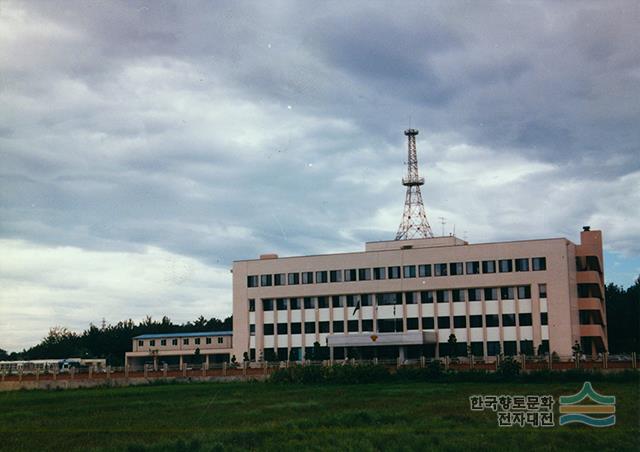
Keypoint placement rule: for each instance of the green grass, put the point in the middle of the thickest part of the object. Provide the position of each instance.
(241, 416)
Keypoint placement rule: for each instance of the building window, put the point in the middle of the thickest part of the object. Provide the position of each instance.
(488, 266)
(505, 265)
(475, 321)
(506, 293)
(427, 323)
(267, 304)
(352, 326)
(336, 301)
(455, 268)
(459, 321)
(323, 302)
(323, 327)
(424, 271)
(444, 322)
(474, 294)
(335, 276)
(411, 297)
(283, 328)
(265, 280)
(307, 277)
(542, 288)
(152, 343)
(281, 304)
(197, 341)
(526, 347)
(522, 265)
(510, 348)
(350, 275)
(252, 281)
(490, 293)
(394, 272)
(279, 279)
(252, 329)
(426, 296)
(309, 327)
(477, 349)
(221, 340)
(492, 320)
(174, 342)
(294, 278)
(309, 303)
(185, 341)
(457, 295)
(440, 269)
(322, 277)
(544, 318)
(294, 303)
(364, 274)
(442, 296)
(252, 305)
(409, 271)
(412, 324)
(351, 301)
(385, 299)
(366, 300)
(268, 329)
(508, 320)
(473, 268)
(539, 263)
(524, 292)
(367, 325)
(378, 273)
(493, 348)
(389, 325)
(296, 328)
(140, 343)
(525, 319)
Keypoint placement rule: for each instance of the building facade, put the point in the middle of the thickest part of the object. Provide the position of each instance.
(406, 298)
(180, 348)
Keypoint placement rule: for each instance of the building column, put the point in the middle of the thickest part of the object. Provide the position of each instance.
(206, 361)
(181, 362)
(155, 363)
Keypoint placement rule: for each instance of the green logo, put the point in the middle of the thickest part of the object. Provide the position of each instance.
(572, 412)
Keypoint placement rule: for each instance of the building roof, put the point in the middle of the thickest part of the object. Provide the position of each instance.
(197, 334)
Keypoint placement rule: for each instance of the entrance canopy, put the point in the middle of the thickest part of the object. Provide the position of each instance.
(381, 339)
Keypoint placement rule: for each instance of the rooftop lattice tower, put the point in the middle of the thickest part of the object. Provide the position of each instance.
(414, 223)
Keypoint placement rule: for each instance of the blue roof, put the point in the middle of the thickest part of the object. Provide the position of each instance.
(201, 334)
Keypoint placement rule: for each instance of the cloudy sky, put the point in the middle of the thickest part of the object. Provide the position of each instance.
(145, 145)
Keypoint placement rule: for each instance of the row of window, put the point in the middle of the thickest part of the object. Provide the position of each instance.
(397, 325)
(397, 272)
(396, 298)
(493, 348)
(185, 341)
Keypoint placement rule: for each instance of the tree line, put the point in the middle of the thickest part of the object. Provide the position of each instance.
(109, 341)
(113, 341)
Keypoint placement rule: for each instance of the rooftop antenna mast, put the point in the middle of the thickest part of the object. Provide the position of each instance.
(414, 220)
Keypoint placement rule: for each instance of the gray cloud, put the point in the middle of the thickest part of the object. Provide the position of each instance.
(218, 132)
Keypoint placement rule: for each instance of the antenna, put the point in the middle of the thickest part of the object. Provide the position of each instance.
(443, 221)
(414, 220)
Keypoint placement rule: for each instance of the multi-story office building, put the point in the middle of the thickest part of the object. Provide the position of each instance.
(405, 298)
(180, 348)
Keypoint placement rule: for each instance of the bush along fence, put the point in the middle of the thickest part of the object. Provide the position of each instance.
(501, 365)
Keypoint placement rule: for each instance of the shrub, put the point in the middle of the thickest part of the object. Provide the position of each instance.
(508, 367)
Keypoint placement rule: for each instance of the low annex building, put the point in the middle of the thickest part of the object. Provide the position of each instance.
(405, 298)
(180, 348)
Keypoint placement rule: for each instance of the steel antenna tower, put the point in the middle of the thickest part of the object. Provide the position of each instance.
(414, 220)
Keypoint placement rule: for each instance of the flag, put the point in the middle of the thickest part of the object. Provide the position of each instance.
(357, 307)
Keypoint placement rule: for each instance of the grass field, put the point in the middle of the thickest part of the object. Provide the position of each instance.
(240, 416)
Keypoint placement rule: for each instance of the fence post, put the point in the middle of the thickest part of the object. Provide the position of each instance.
(446, 363)
(126, 370)
(244, 368)
(398, 362)
(184, 369)
(550, 362)
(37, 374)
(3, 373)
(264, 367)
(497, 362)
(524, 361)
(108, 372)
(471, 363)
(72, 372)
(422, 360)
(145, 370)
(605, 359)
(20, 374)
(165, 369)
(634, 364)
